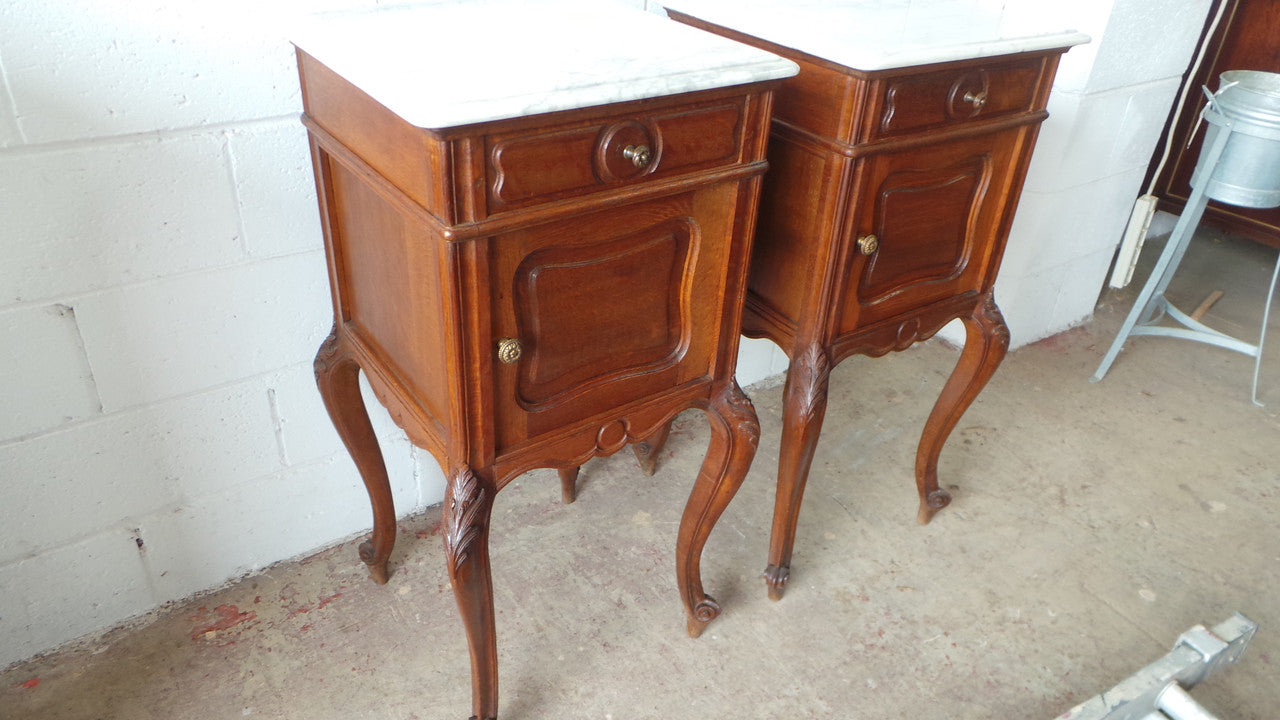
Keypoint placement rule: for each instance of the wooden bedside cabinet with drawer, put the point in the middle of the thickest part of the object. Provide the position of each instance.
(535, 271)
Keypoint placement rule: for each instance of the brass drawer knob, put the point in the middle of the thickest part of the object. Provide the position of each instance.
(868, 244)
(977, 100)
(639, 155)
(509, 350)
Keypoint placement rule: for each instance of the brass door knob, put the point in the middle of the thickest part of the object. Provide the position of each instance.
(509, 350)
(977, 100)
(868, 244)
(639, 155)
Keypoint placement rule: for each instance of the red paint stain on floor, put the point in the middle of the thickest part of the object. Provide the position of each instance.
(326, 600)
(30, 684)
(226, 617)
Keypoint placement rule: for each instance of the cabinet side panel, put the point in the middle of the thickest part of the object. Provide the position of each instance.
(390, 294)
(796, 207)
(824, 98)
(407, 156)
(820, 100)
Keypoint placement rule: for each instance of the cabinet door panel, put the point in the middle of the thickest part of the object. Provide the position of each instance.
(575, 340)
(924, 221)
(935, 212)
(610, 308)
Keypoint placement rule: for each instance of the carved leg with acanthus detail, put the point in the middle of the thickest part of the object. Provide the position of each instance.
(986, 342)
(735, 433)
(804, 406)
(647, 450)
(468, 503)
(338, 377)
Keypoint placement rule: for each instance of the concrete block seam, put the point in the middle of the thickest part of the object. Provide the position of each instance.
(264, 375)
(155, 135)
(8, 92)
(69, 311)
(71, 297)
(229, 159)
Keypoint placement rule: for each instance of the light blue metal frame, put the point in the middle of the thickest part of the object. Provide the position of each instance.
(1151, 305)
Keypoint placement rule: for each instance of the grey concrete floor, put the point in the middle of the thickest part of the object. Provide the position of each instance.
(1092, 524)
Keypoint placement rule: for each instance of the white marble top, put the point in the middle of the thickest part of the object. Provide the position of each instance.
(446, 65)
(882, 34)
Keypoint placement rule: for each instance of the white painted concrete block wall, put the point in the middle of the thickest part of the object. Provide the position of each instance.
(162, 291)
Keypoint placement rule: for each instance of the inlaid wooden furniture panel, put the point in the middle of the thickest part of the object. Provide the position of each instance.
(883, 218)
(534, 292)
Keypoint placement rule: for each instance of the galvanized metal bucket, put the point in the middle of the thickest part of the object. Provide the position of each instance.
(1247, 105)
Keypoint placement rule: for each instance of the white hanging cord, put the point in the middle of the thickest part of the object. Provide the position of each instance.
(1144, 207)
(1186, 88)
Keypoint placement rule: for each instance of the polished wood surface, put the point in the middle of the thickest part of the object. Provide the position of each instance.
(532, 293)
(884, 217)
(1244, 40)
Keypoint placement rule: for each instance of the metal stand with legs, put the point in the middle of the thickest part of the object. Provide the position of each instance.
(1152, 306)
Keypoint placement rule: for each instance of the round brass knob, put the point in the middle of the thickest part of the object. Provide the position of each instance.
(868, 244)
(509, 350)
(977, 100)
(639, 155)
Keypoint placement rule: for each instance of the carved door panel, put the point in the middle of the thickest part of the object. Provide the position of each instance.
(608, 309)
(923, 224)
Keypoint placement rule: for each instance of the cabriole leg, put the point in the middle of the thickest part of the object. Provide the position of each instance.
(468, 503)
(338, 377)
(804, 406)
(986, 342)
(735, 433)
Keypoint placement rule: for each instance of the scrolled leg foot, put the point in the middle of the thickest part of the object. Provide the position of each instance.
(932, 503)
(775, 579)
(703, 613)
(377, 568)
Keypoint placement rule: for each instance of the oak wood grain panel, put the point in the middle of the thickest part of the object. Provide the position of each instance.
(585, 353)
(937, 213)
(387, 263)
(543, 166)
(824, 98)
(592, 313)
(799, 201)
(705, 137)
(920, 102)
(548, 164)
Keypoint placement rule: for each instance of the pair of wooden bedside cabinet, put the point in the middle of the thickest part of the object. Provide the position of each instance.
(533, 287)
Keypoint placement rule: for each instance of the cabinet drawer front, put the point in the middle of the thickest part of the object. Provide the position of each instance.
(912, 103)
(526, 168)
